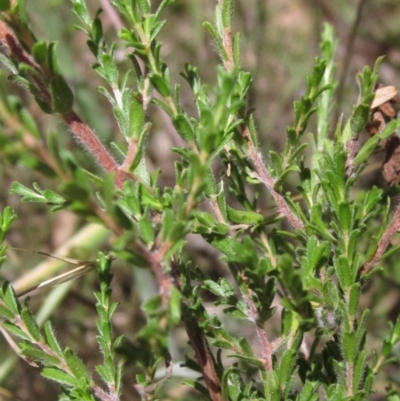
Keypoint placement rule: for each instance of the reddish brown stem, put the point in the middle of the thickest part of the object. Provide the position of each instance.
(384, 242)
(199, 344)
(88, 139)
(205, 359)
(82, 132)
(264, 176)
(266, 346)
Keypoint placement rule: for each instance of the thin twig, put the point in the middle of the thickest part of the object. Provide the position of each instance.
(263, 176)
(199, 344)
(383, 243)
(84, 135)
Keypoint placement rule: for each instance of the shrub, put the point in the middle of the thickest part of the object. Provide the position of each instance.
(292, 326)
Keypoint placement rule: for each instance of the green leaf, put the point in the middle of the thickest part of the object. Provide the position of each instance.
(81, 11)
(144, 6)
(109, 70)
(227, 12)
(236, 49)
(316, 219)
(184, 127)
(38, 355)
(12, 328)
(77, 367)
(160, 84)
(367, 149)
(53, 198)
(359, 118)
(359, 369)
(11, 67)
(164, 4)
(52, 59)
(217, 40)
(174, 307)
(10, 298)
(349, 347)
(5, 313)
(287, 365)
(51, 339)
(105, 373)
(282, 177)
(244, 216)
(60, 377)
(39, 52)
(345, 216)
(354, 298)
(214, 288)
(136, 114)
(97, 31)
(31, 324)
(7, 218)
(146, 230)
(343, 272)
(62, 98)
(27, 194)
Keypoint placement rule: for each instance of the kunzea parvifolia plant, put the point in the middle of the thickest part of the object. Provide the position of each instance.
(281, 318)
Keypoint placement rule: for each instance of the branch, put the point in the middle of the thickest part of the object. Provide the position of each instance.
(84, 135)
(263, 176)
(383, 243)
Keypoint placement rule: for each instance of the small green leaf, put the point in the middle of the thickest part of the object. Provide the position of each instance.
(236, 49)
(31, 324)
(107, 373)
(227, 12)
(184, 127)
(343, 272)
(316, 219)
(38, 355)
(354, 298)
(345, 216)
(27, 194)
(5, 313)
(287, 365)
(81, 11)
(51, 339)
(160, 84)
(217, 40)
(175, 306)
(109, 70)
(39, 52)
(6, 219)
(53, 197)
(77, 367)
(97, 31)
(367, 149)
(12, 328)
(213, 287)
(359, 369)
(136, 114)
(244, 216)
(62, 97)
(349, 346)
(282, 177)
(60, 377)
(52, 58)
(146, 230)
(359, 118)
(10, 298)
(144, 6)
